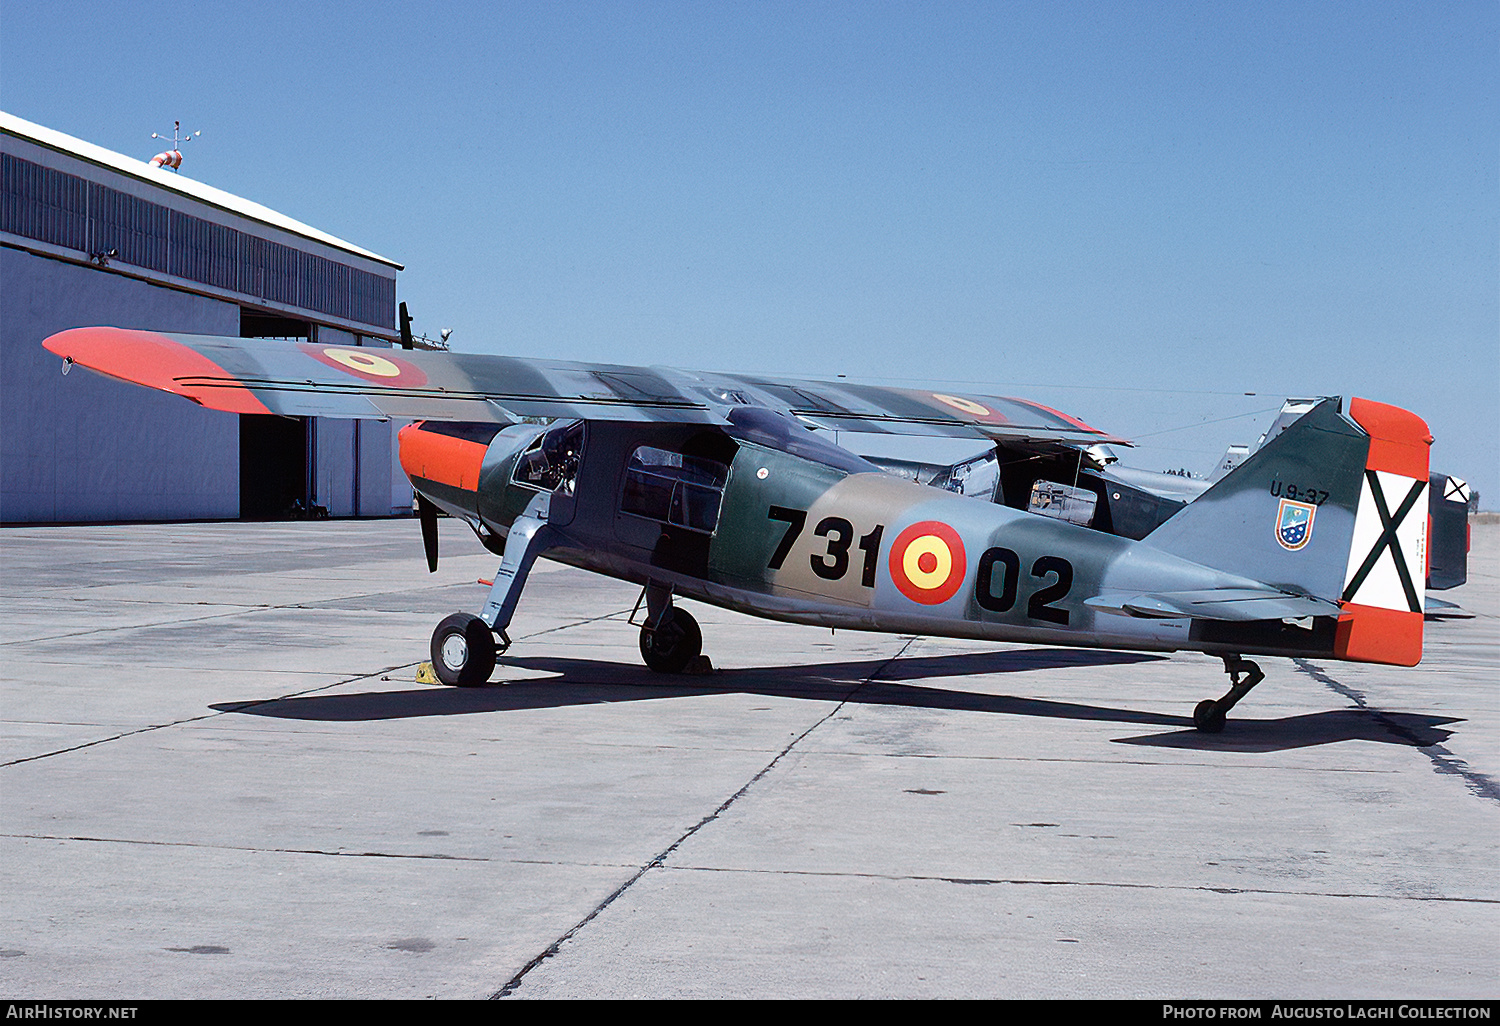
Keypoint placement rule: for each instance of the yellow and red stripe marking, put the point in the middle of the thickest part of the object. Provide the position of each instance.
(152, 359)
(927, 562)
(969, 406)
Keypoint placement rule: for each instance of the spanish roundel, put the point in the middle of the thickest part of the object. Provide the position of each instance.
(927, 562)
(368, 365)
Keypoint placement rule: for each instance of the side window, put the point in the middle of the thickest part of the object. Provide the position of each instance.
(551, 462)
(684, 491)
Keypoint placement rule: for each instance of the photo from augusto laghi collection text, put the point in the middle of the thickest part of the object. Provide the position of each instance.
(1262, 1010)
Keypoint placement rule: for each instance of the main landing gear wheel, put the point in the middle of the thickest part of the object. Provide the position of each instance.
(1209, 715)
(673, 643)
(463, 651)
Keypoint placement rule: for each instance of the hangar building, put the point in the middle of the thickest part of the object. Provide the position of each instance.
(88, 236)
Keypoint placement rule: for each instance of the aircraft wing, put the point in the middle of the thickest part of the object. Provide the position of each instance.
(300, 379)
(303, 379)
(847, 406)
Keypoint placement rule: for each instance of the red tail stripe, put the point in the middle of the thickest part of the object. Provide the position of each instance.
(1369, 634)
(1399, 439)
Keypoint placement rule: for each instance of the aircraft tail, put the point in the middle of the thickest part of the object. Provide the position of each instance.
(1447, 532)
(1334, 507)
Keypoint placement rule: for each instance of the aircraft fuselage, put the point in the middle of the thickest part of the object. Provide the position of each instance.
(819, 537)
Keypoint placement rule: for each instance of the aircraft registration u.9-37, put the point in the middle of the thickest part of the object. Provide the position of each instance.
(725, 489)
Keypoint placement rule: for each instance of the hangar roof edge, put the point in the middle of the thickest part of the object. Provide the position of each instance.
(61, 141)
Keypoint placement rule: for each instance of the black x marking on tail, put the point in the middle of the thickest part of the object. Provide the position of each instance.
(1387, 540)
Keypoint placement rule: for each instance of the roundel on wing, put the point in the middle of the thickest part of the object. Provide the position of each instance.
(927, 562)
(968, 406)
(367, 364)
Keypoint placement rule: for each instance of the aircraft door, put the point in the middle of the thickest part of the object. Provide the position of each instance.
(525, 459)
(670, 503)
(551, 464)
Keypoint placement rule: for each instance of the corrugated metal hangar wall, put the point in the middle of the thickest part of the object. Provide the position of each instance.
(88, 237)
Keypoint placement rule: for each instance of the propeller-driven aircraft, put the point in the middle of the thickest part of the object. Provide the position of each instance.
(725, 489)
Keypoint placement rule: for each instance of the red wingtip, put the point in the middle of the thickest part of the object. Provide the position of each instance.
(156, 361)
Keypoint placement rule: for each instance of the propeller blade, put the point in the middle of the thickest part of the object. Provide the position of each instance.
(427, 514)
(406, 340)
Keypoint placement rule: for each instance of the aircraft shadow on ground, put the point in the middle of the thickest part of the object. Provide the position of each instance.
(576, 682)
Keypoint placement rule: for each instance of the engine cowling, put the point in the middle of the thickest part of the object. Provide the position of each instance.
(444, 462)
(486, 475)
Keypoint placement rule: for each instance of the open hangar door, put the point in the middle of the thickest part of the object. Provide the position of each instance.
(295, 467)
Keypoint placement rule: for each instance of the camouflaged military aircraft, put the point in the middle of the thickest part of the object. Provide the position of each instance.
(724, 489)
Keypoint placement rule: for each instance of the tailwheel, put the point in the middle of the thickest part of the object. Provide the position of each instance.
(463, 651)
(1209, 715)
(672, 643)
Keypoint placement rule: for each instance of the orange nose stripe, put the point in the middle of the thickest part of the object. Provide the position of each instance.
(442, 458)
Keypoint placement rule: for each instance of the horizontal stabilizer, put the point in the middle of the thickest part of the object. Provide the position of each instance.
(1215, 604)
(1439, 609)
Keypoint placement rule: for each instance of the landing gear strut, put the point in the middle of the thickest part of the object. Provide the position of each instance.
(1209, 714)
(464, 645)
(670, 638)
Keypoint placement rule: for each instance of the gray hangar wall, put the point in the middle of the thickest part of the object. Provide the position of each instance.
(89, 236)
(86, 447)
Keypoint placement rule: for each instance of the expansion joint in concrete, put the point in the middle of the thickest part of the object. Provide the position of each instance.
(662, 856)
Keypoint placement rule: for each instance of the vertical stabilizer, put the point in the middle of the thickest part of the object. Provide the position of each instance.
(1385, 579)
(1285, 516)
(1334, 507)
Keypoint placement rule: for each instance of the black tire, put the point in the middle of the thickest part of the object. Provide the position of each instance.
(674, 643)
(463, 651)
(1208, 717)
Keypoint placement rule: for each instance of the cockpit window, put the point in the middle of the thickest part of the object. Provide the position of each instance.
(684, 491)
(550, 463)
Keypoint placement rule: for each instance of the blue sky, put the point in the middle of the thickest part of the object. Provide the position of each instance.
(1136, 212)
